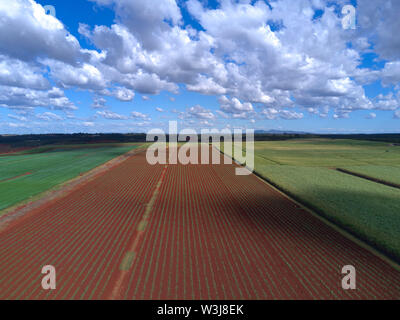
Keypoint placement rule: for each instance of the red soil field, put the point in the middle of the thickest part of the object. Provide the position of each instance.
(183, 232)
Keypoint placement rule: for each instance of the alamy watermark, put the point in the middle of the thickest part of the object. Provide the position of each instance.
(349, 280)
(349, 17)
(49, 280)
(188, 153)
(51, 10)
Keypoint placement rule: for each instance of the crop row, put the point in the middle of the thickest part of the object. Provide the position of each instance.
(83, 235)
(199, 232)
(214, 235)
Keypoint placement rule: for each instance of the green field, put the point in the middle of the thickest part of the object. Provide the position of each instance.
(32, 172)
(305, 170)
(386, 173)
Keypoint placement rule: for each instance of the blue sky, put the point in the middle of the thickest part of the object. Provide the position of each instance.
(130, 66)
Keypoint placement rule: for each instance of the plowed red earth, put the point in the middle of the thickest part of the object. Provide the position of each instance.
(183, 232)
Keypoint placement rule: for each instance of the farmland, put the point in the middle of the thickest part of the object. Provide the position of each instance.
(305, 169)
(188, 232)
(29, 173)
(389, 174)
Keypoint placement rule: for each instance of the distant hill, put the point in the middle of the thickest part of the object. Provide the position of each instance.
(13, 142)
(279, 132)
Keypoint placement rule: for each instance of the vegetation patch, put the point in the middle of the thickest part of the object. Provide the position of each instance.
(49, 168)
(367, 209)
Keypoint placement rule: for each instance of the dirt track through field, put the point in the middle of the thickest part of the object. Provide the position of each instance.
(183, 232)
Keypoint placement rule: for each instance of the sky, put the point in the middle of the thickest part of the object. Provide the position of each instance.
(102, 66)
